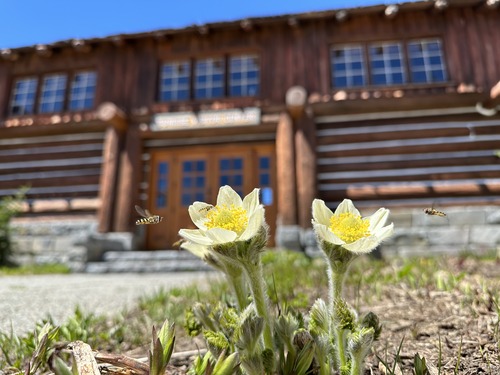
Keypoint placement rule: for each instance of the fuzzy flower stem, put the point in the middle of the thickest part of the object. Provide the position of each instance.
(237, 281)
(356, 366)
(256, 280)
(338, 260)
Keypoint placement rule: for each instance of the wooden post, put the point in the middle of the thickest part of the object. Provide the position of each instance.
(112, 115)
(129, 177)
(305, 149)
(305, 145)
(285, 171)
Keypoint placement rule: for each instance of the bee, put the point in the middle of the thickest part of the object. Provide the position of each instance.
(206, 208)
(147, 217)
(433, 212)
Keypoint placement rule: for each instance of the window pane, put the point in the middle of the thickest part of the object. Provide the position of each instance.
(174, 81)
(162, 185)
(426, 61)
(82, 92)
(386, 63)
(52, 95)
(244, 73)
(348, 66)
(193, 181)
(208, 81)
(23, 96)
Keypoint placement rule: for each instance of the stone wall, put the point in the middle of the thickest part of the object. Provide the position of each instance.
(72, 241)
(474, 230)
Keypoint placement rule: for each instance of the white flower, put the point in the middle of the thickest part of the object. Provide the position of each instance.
(348, 229)
(231, 220)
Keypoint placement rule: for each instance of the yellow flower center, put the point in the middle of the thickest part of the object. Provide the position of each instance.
(228, 217)
(349, 227)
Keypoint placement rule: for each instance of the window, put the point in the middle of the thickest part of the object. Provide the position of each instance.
(27, 99)
(82, 91)
(174, 81)
(348, 66)
(209, 78)
(386, 63)
(52, 95)
(193, 181)
(216, 77)
(23, 96)
(426, 61)
(243, 75)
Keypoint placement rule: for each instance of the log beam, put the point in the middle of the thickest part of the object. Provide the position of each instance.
(285, 171)
(305, 153)
(113, 144)
(111, 114)
(108, 180)
(129, 177)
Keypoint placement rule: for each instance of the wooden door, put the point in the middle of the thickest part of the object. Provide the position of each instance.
(181, 177)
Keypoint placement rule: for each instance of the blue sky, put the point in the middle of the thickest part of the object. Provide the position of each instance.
(29, 22)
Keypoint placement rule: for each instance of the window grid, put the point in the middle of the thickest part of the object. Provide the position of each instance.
(82, 92)
(193, 181)
(387, 64)
(175, 81)
(209, 78)
(426, 61)
(23, 96)
(244, 75)
(53, 92)
(348, 66)
(231, 173)
(162, 185)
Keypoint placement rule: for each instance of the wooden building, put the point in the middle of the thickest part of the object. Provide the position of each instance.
(387, 105)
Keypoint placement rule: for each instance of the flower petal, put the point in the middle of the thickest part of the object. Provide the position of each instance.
(363, 245)
(198, 213)
(251, 201)
(347, 206)
(320, 212)
(385, 232)
(196, 236)
(227, 196)
(378, 219)
(220, 235)
(255, 221)
(196, 249)
(326, 234)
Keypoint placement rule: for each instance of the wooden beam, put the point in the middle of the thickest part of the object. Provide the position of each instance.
(43, 50)
(285, 171)
(109, 178)
(9, 55)
(305, 145)
(128, 182)
(108, 112)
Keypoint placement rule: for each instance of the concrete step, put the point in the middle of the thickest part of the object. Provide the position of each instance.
(147, 261)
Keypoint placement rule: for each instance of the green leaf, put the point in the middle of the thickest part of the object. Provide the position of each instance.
(226, 366)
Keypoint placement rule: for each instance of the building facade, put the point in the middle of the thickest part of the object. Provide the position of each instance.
(394, 106)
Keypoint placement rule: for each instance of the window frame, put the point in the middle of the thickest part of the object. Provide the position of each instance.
(226, 59)
(406, 66)
(40, 78)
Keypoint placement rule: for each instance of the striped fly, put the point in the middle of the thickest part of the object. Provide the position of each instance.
(147, 217)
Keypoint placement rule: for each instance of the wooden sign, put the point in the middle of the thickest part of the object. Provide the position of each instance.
(203, 119)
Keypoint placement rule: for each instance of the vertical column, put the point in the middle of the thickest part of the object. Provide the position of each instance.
(285, 171)
(305, 153)
(117, 125)
(305, 144)
(129, 179)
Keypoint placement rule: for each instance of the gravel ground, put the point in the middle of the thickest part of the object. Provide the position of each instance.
(24, 300)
